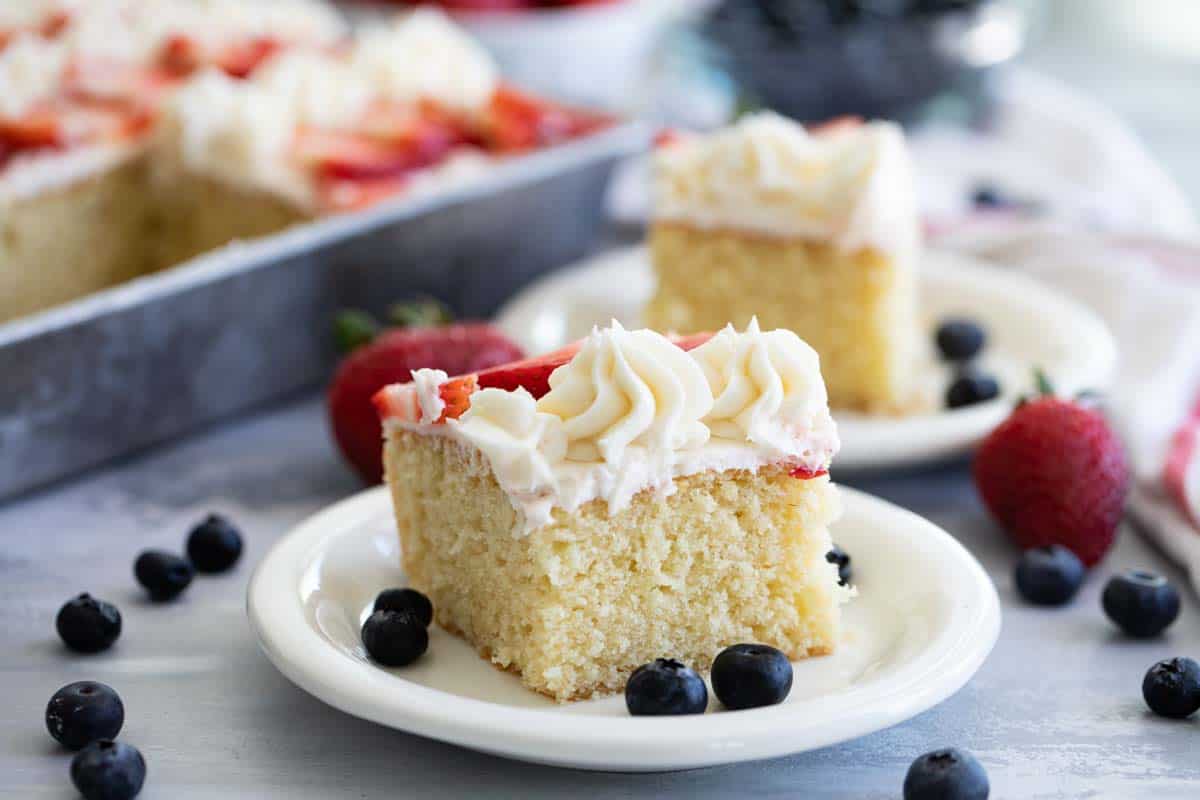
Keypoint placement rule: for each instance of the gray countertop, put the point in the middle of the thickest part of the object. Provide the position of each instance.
(1055, 712)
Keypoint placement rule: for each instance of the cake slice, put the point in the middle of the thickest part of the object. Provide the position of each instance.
(626, 499)
(816, 232)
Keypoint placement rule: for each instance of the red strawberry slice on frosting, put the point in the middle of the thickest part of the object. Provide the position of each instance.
(400, 402)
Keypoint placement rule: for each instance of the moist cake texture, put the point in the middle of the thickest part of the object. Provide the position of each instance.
(814, 232)
(653, 503)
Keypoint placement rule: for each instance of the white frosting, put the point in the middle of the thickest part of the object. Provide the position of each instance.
(134, 31)
(423, 55)
(321, 89)
(30, 13)
(241, 130)
(632, 412)
(29, 174)
(236, 131)
(297, 21)
(31, 70)
(852, 185)
(429, 399)
(628, 388)
(767, 389)
(526, 446)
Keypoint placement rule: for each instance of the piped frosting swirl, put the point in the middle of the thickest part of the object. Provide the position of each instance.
(767, 387)
(628, 387)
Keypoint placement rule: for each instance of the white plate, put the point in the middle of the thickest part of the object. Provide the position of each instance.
(926, 617)
(1028, 325)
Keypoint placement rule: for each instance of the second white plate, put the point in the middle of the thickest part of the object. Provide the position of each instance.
(1028, 325)
(925, 618)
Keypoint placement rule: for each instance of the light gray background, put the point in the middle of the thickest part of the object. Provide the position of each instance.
(1056, 711)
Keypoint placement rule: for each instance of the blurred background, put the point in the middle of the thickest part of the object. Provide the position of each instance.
(1035, 78)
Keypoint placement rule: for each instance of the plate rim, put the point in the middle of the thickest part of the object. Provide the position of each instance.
(598, 742)
(957, 431)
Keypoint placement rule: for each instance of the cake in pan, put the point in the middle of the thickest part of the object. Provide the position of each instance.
(812, 231)
(134, 135)
(575, 516)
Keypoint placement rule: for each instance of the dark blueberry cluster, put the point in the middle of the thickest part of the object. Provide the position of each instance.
(960, 342)
(799, 20)
(818, 59)
(213, 545)
(743, 676)
(396, 634)
(87, 715)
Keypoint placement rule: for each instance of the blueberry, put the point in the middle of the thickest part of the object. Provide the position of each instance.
(751, 675)
(214, 545)
(970, 388)
(80, 713)
(665, 687)
(960, 339)
(394, 638)
(405, 600)
(1140, 603)
(947, 774)
(164, 575)
(108, 770)
(1172, 688)
(1049, 576)
(988, 196)
(840, 557)
(88, 625)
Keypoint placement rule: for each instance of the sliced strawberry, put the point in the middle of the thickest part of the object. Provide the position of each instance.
(41, 128)
(180, 55)
(806, 474)
(517, 122)
(241, 59)
(391, 358)
(54, 25)
(456, 394)
(343, 155)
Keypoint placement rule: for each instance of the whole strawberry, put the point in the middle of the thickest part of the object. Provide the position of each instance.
(1055, 473)
(390, 358)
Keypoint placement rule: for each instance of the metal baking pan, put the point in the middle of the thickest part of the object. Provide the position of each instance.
(250, 323)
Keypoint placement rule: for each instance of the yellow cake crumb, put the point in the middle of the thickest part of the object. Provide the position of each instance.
(575, 606)
(857, 309)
